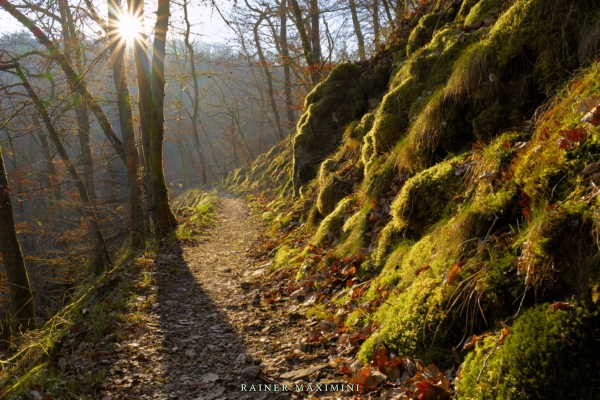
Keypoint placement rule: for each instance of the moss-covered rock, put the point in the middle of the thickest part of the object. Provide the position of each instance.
(423, 32)
(392, 118)
(333, 103)
(411, 321)
(358, 130)
(548, 354)
(333, 222)
(390, 235)
(331, 188)
(548, 32)
(378, 176)
(483, 10)
(560, 254)
(477, 239)
(465, 9)
(424, 197)
(355, 233)
(488, 123)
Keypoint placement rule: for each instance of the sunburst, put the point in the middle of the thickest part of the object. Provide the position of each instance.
(130, 27)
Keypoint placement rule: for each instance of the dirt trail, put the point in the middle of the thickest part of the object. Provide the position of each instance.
(188, 346)
(207, 327)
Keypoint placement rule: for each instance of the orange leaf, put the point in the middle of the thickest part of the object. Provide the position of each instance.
(453, 275)
(380, 359)
(423, 268)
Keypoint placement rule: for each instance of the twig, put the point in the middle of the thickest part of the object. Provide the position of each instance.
(496, 218)
(485, 364)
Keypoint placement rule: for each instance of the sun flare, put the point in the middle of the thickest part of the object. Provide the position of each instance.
(130, 27)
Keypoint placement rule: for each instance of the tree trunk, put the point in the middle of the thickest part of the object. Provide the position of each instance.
(87, 161)
(165, 219)
(358, 31)
(265, 67)
(210, 145)
(103, 261)
(151, 91)
(73, 49)
(289, 104)
(376, 27)
(306, 46)
(53, 177)
(142, 67)
(117, 49)
(12, 258)
(388, 13)
(315, 31)
(195, 102)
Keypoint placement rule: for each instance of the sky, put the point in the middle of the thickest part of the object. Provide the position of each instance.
(204, 20)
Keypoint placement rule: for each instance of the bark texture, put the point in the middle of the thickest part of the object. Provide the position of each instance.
(12, 258)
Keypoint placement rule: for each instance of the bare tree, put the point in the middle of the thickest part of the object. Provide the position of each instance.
(12, 257)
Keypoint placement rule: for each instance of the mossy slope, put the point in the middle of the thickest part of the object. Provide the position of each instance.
(465, 191)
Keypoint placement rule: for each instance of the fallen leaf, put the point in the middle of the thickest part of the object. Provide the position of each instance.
(470, 343)
(560, 305)
(423, 268)
(454, 274)
(503, 333)
(209, 377)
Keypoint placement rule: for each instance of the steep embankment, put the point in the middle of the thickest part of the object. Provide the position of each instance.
(445, 196)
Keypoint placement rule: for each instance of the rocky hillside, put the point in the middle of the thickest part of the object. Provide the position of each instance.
(459, 169)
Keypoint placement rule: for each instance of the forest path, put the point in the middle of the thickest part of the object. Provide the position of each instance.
(195, 341)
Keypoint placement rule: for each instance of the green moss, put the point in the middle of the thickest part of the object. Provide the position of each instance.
(543, 347)
(423, 32)
(410, 324)
(470, 79)
(560, 253)
(330, 107)
(196, 211)
(489, 122)
(392, 117)
(397, 249)
(356, 319)
(544, 30)
(333, 222)
(271, 170)
(318, 312)
(376, 83)
(285, 256)
(378, 176)
(483, 10)
(424, 197)
(497, 154)
(358, 131)
(332, 189)
(388, 238)
(465, 9)
(355, 233)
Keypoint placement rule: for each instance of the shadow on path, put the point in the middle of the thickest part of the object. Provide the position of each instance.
(195, 352)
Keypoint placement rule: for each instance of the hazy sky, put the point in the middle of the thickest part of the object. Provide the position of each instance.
(206, 22)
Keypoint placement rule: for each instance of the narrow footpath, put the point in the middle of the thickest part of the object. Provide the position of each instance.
(205, 331)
